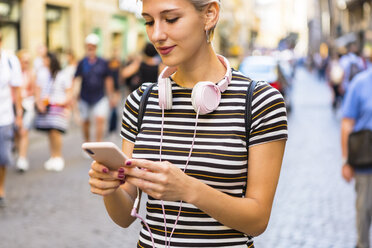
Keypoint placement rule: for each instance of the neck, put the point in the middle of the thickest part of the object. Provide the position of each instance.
(203, 67)
(92, 58)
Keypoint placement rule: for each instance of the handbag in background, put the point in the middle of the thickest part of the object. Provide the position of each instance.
(360, 149)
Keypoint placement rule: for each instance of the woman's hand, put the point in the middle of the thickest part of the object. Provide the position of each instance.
(104, 182)
(40, 107)
(161, 180)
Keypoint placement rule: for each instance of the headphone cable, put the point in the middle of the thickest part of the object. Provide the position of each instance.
(187, 163)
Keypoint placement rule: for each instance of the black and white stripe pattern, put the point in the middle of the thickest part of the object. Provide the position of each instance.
(219, 157)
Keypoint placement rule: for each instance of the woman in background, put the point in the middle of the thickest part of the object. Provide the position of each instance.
(53, 96)
(28, 104)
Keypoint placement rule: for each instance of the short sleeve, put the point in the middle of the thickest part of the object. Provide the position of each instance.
(350, 105)
(269, 115)
(16, 71)
(129, 128)
(79, 69)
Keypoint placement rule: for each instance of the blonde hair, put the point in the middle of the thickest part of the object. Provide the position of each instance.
(199, 6)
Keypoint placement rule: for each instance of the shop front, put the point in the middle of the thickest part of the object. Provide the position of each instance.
(57, 28)
(10, 24)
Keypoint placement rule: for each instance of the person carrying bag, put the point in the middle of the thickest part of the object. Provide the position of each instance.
(356, 141)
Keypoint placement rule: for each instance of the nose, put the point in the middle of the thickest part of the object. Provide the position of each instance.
(158, 33)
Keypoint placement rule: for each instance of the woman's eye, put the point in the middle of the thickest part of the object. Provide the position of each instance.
(149, 23)
(173, 20)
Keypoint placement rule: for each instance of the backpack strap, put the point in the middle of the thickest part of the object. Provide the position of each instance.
(248, 119)
(142, 106)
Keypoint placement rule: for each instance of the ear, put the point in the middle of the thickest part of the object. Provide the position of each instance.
(212, 13)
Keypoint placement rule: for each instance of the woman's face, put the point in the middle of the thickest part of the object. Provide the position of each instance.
(175, 28)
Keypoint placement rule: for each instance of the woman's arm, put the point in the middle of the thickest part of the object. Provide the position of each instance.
(249, 215)
(38, 101)
(132, 68)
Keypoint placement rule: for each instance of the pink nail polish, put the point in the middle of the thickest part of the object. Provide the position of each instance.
(121, 170)
(128, 162)
(104, 170)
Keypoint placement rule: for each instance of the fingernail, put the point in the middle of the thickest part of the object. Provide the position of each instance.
(104, 170)
(121, 170)
(128, 162)
(121, 176)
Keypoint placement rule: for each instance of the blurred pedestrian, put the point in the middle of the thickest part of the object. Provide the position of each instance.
(96, 91)
(351, 63)
(335, 77)
(115, 66)
(41, 52)
(201, 189)
(70, 70)
(28, 104)
(10, 83)
(148, 68)
(321, 63)
(357, 116)
(53, 96)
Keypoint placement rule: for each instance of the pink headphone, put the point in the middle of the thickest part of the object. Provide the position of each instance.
(205, 95)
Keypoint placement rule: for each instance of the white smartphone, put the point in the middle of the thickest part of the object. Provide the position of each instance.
(105, 153)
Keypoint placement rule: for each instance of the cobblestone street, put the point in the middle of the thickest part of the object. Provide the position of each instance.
(313, 206)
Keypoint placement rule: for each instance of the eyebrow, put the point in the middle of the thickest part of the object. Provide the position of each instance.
(163, 12)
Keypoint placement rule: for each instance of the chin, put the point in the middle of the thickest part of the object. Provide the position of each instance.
(169, 61)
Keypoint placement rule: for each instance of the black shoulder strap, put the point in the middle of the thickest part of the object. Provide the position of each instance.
(248, 112)
(248, 118)
(142, 106)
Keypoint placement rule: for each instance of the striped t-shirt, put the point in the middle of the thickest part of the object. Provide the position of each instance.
(219, 156)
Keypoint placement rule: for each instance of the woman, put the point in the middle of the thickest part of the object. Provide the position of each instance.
(335, 76)
(28, 104)
(197, 161)
(147, 69)
(53, 95)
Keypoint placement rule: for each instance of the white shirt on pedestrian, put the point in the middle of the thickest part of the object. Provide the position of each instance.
(54, 89)
(10, 76)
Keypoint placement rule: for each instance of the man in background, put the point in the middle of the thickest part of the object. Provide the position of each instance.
(96, 92)
(10, 82)
(351, 63)
(357, 116)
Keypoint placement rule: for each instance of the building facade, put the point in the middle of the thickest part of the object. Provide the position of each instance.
(64, 24)
(338, 22)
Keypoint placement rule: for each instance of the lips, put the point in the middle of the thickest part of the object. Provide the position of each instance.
(166, 50)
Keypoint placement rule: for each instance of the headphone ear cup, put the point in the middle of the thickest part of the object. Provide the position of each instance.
(205, 97)
(165, 93)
